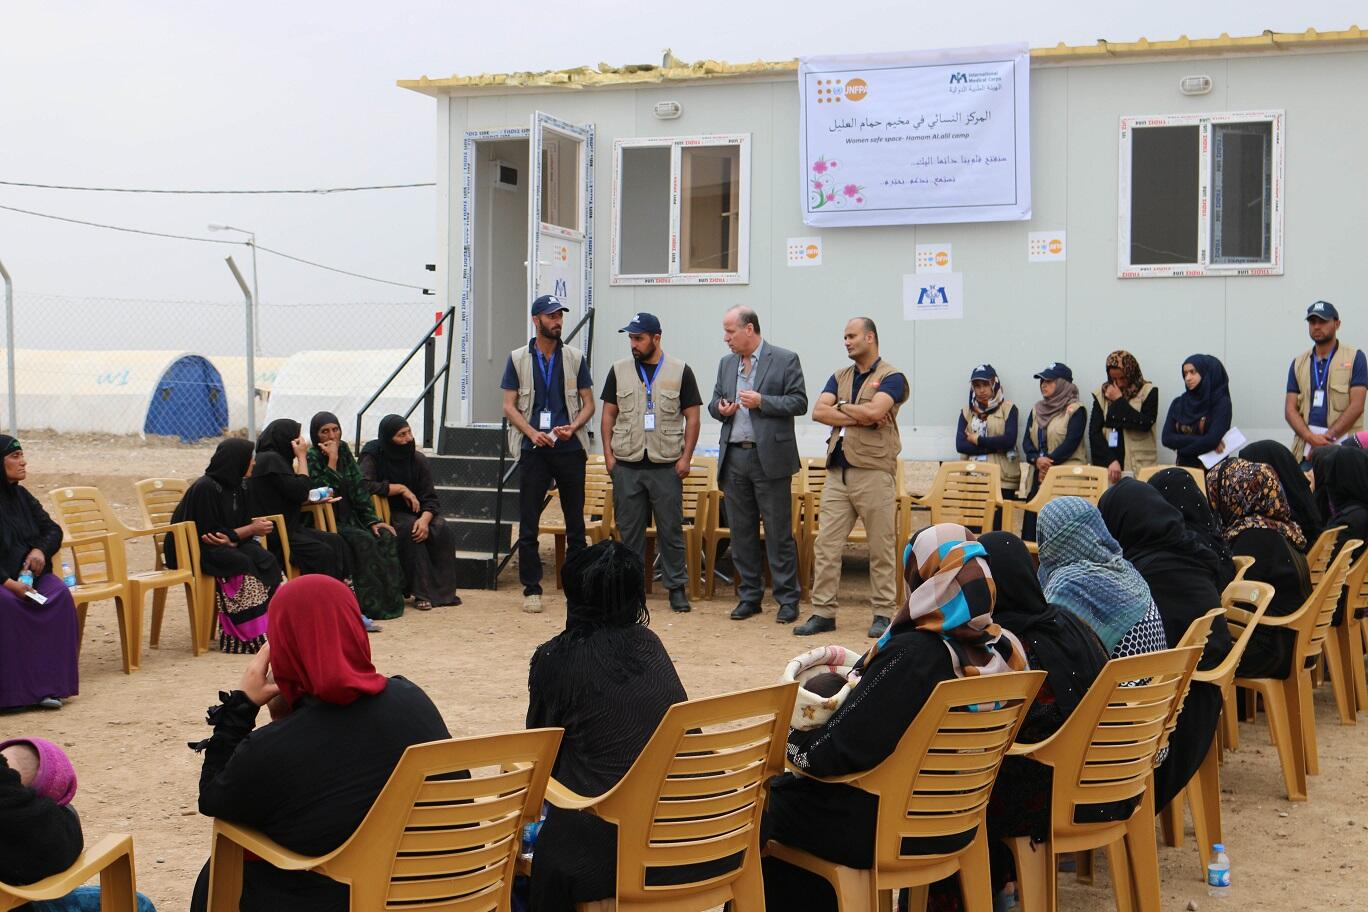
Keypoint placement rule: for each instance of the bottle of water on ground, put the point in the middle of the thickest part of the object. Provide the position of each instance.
(1218, 872)
(68, 575)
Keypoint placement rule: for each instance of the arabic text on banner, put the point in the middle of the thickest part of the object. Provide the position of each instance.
(920, 137)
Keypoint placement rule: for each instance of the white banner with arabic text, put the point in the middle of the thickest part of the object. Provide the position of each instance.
(917, 137)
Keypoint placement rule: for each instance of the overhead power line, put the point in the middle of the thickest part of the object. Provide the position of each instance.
(208, 240)
(316, 191)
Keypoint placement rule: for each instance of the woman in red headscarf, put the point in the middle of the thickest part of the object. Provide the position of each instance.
(339, 728)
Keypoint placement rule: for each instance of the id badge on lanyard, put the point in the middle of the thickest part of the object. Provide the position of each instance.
(1319, 379)
(547, 371)
(649, 421)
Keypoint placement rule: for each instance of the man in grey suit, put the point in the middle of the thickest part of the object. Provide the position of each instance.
(758, 393)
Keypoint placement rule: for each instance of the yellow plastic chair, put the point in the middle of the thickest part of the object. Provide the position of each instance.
(701, 479)
(157, 500)
(322, 516)
(101, 573)
(1345, 640)
(84, 512)
(427, 843)
(714, 532)
(1203, 791)
(1105, 752)
(1149, 472)
(111, 858)
(598, 511)
(1087, 482)
(1319, 554)
(694, 795)
(1242, 564)
(381, 507)
(1287, 701)
(936, 783)
(967, 492)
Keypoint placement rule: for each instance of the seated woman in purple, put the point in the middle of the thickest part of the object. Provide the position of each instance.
(38, 643)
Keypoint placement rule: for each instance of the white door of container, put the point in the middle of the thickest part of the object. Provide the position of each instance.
(560, 206)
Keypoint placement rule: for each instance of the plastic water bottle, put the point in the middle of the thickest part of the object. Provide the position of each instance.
(26, 578)
(318, 495)
(68, 575)
(529, 837)
(1218, 872)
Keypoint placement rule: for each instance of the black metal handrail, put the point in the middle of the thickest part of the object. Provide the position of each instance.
(506, 473)
(448, 317)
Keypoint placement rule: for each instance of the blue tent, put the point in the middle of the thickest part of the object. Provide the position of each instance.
(188, 402)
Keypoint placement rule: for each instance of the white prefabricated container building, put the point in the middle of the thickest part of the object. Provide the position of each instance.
(608, 208)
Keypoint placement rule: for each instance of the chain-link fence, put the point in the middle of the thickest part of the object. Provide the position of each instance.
(180, 368)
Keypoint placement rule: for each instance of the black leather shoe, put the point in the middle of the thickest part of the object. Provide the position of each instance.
(744, 610)
(877, 628)
(787, 614)
(814, 624)
(679, 601)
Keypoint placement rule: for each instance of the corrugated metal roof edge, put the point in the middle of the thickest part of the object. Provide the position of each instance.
(673, 69)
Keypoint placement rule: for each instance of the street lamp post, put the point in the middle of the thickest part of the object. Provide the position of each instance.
(256, 298)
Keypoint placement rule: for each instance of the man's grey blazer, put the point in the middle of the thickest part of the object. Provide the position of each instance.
(783, 395)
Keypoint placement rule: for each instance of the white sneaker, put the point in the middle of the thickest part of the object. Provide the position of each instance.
(532, 603)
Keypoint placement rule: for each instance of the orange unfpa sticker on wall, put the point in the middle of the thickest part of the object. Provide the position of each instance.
(1056, 245)
(856, 90)
(811, 251)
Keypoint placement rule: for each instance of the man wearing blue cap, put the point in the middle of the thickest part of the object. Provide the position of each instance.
(1326, 385)
(650, 427)
(548, 400)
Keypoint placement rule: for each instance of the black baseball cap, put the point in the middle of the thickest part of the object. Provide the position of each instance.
(642, 323)
(547, 304)
(983, 372)
(1055, 371)
(1322, 310)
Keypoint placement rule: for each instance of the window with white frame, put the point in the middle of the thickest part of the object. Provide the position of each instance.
(1201, 195)
(681, 210)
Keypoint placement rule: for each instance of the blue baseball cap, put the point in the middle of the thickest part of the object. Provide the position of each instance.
(1055, 371)
(547, 304)
(642, 323)
(983, 372)
(1322, 310)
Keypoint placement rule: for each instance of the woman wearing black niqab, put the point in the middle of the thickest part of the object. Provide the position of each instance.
(427, 545)
(277, 486)
(1179, 488)
(1182, 574)
(246, 574)
(1300, 497)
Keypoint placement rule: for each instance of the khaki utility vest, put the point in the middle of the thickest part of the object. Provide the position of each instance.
(995, 426)
(1057, 430)
(1336, 390)
(631, 441)
(867, 447)
(1141, 449)
(570, 360)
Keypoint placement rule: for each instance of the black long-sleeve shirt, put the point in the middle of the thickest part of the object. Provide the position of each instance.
(38, 837)
(309, 779)
(1120, 416)
(1190, 446)
(1005, 442)
(48, 539)
(1033, 442)
(423, 488)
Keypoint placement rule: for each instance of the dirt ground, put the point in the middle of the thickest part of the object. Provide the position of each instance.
(127, 734)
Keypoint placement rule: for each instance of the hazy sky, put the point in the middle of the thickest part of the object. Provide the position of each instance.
(277, 94)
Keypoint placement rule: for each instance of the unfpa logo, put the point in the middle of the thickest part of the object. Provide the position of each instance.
(834, 91)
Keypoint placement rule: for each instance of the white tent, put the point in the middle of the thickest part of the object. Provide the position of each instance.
(117, 392)
(340, 382)
(233, 369)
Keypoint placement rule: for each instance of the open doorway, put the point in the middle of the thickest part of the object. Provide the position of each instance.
(498, 256)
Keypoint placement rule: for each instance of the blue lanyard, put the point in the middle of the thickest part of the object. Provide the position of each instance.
(650, 402)
(1320, 376)
(546, 372)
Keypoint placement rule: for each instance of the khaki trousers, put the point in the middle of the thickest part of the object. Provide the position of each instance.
(869, 495)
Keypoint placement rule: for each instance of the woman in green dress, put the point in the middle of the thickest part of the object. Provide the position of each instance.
(377, 576)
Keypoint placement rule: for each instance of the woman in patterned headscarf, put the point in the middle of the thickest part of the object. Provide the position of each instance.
(944, 630)
(1257, 522)
(1083, 572)
(1125, 408)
